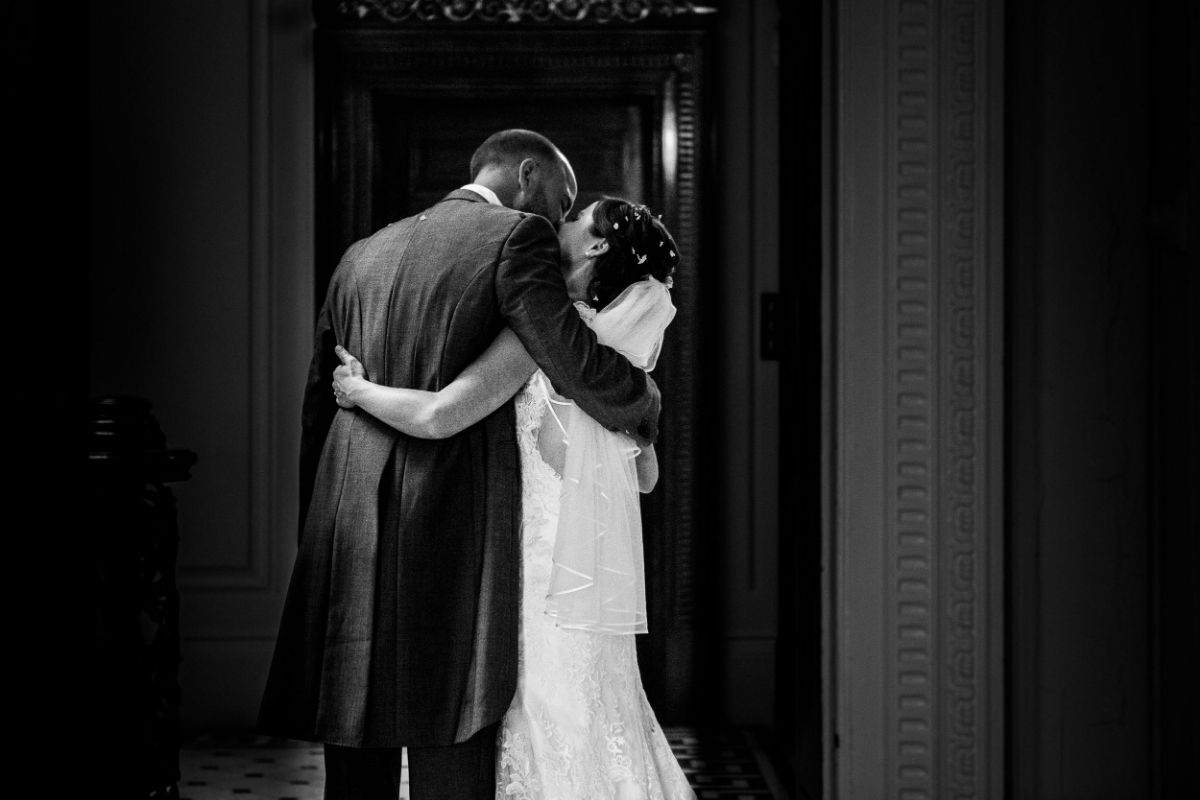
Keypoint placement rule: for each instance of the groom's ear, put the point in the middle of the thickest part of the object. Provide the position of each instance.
(525, 172)
(598, 249)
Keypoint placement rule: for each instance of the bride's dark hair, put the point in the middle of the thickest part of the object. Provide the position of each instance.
(638, 245)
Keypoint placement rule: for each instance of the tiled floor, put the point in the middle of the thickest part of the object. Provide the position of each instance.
(720, 766)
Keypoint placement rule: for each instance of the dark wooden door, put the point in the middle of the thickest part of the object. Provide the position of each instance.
(401, 109)
(427, 144)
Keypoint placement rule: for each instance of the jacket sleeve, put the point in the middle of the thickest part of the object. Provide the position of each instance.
(533, 300)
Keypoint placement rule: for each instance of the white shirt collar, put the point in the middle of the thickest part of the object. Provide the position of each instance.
(484, 192)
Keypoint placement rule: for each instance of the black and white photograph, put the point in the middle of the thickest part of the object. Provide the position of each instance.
(605, 399)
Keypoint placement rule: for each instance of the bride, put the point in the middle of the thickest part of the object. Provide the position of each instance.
(579, 726)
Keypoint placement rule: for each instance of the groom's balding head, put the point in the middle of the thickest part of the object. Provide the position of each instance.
(527, 172)
(510, 147)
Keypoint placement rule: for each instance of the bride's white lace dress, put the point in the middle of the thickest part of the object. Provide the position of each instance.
(579, 727)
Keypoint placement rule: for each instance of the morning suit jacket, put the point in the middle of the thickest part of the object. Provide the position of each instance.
(400, 623)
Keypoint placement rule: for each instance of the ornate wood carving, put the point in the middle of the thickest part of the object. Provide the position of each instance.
(937, 229)
(679, 376)
(507, 12)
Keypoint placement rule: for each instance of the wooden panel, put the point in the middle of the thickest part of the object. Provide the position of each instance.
(425, 145)
(1088, 248)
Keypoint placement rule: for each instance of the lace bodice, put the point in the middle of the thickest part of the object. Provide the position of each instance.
(579, 726)
(540, 487)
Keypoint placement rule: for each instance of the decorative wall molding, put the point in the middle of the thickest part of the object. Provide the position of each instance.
(509, 12)
(912, 373)
(917, 227)
(252, 570)
(681, 124)
(971, 396)
(460, 59)
(238, 604)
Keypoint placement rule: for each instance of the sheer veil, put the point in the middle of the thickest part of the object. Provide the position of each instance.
(597, 580)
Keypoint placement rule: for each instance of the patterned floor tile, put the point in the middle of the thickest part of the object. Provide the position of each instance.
(720, 765)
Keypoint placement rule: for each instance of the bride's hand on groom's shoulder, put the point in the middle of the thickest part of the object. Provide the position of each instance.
(347, 377)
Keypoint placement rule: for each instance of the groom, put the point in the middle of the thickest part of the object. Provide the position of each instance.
(400, 625)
